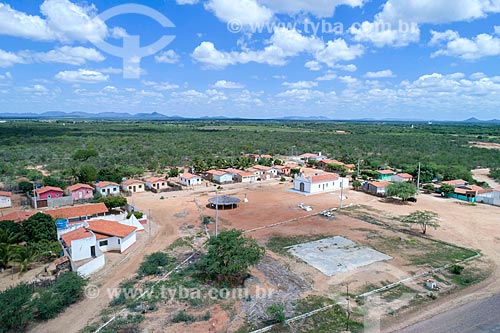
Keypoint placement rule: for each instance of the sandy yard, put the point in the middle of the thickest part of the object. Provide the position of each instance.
(271, 202)
(485, 145)
(481, 175)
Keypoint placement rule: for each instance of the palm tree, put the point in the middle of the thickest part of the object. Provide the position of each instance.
(7, 254)
(24, 257)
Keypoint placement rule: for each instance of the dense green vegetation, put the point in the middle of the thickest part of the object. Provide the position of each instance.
(22, 304)
(76, 151)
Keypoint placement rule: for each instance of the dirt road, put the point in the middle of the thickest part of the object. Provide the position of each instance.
(481, 175)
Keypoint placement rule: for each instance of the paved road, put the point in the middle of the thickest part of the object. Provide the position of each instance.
(478, 317)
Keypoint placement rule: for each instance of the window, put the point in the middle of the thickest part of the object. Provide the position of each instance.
(130, 187)
(49, 196)
(319, 186)
(140, 186)
(119, 240)
(103, 191)
(103, 243)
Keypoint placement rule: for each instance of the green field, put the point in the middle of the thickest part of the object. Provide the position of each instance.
(129, 148)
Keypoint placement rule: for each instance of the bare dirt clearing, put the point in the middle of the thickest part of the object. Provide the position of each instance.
(482, 175)
(485, 145)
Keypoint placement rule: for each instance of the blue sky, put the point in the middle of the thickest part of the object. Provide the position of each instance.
(342, 59)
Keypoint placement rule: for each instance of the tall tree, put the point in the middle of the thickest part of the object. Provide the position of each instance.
(229, 257)
(40, 227)
(403, 190)
(423, 219)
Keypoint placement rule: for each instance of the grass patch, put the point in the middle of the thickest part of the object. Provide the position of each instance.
(396, 292)
(468, 276)
(279, 244)
(179, 242)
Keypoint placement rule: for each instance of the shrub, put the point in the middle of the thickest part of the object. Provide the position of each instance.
(183, 317)
(15, 312)
(138, 215)
(154, 264)
(277, 313)
(40, 227)
(456, 269)
(113, 202)
(282, 179)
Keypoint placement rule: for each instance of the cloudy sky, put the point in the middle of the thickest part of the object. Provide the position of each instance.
(343, 59)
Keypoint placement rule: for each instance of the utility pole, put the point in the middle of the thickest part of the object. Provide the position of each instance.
(418, 179)
(358, 167)
(216, 212)
(348, 298)
(341, 191)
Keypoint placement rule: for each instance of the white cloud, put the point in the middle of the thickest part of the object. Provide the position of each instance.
(82, 76)
(319, 8)
(328, 76)
(303, 95)
(72, 22)
(348, 79)
(118, 33)
(186, 2)
(223, 84)
(63, 21)
(6, 76)
(245, 12)
(313, 65)
(36, 89)
(301, 84)
(167, 57)
(279, 77)
(380, 74)
(453, 45)
(381, 33)
(67, 55)
(283, 44)
(160, 86)
(8, 59)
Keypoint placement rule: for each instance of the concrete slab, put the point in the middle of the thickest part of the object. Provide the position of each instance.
(336, 255)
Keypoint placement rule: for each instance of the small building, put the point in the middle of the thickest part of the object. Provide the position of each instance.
(188, 179)
(491, 197)
(257, 157)
(467, 192)
(5, 199)
(220, 176)
(113, 236)
(80, 212)
(49, 192)
(402, 177)
(319, 183)
(107, 188)
(376, 187)
(133, 186)
(311, 157)
(266, 172)
(224, 202)
(157, 183)
(244, 177)
(18, 216)
(385, 175)
(80, 246)
(283, 170)
(81, 192)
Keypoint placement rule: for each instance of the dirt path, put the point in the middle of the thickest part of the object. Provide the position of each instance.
(472, 226)
(165, 231)
(481, 175)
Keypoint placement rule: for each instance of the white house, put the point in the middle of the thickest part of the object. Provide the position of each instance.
(245, 177)
(5, 199)
(107, 188)
(80, 246)
(220, 176)
(402, 177)
(158, 183)
(134, 185)
(188, 179)
(491, 197)
(322, 183)
(112, 236)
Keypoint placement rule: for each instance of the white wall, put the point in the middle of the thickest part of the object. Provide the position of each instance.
(80, 248)
(128, 241)
(92, 266)
(5, 202)
(117, 243)
(190, 181)
(320, 187)
(113, 190)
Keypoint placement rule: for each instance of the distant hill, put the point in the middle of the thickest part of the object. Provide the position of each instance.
(475, 120)
(86, 115)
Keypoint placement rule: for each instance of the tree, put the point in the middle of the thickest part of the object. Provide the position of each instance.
(84, 154)
(446, 189)
(113, 202)
(229, 257)
(40, 227)
(333, 167)
(12, 230)
(423, 218)
(25, 186)
(54, 181)
(356, 184)
(7, 254)
(87, 174)
(15, 312)
(25, 256)
(174, 172)
(402, 190)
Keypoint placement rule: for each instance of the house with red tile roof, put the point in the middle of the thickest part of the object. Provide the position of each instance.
(85, 245)
(133, 186)
(241, 176)
(376, 187)
(490, 197)
(5, 199)
(81, 192)
(157, 183)
(319, 183)
(107, 188)
(18, 216)
(385, 175)
(258, 157)
(189, 179)
(401, 177)
(219, 176)
(49, 192)
(80, 212)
